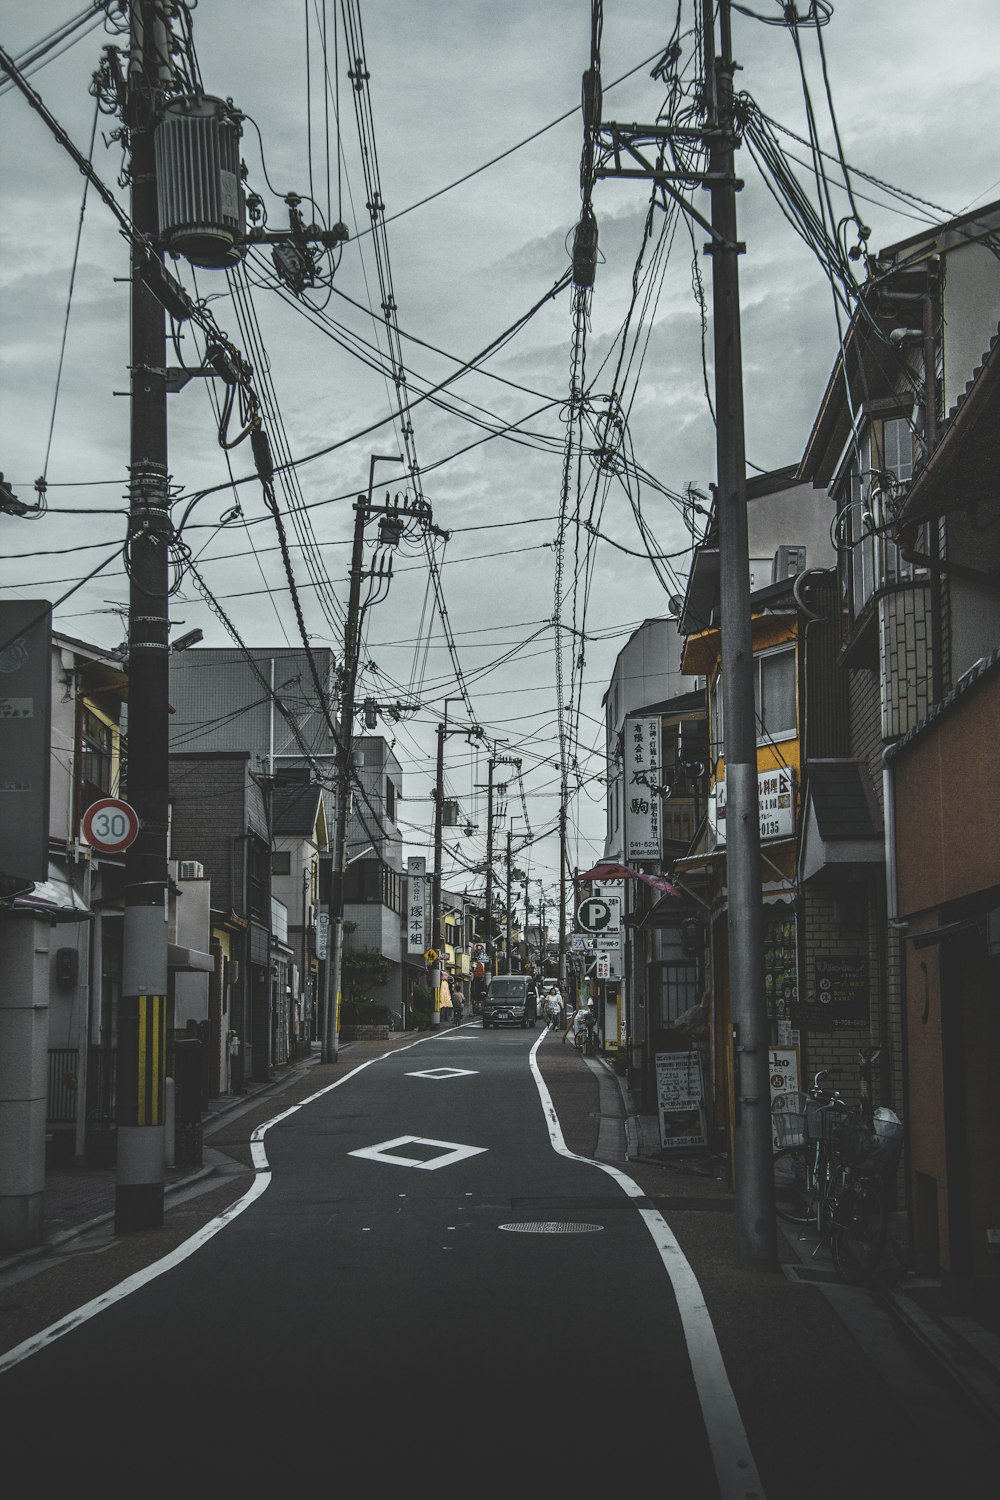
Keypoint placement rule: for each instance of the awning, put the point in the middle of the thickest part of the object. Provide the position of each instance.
(840, 821)
(54, 898)
(608, 869)
(189, 960)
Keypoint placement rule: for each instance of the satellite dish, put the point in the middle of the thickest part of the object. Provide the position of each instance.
(675, 604)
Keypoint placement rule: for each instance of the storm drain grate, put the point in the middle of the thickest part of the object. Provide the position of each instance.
(551, 1226)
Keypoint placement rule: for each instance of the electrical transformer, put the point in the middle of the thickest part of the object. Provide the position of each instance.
(202, 211)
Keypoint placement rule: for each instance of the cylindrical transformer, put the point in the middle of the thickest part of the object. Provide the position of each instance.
(202, 210)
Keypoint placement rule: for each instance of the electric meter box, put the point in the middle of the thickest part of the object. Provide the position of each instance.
(200, 201)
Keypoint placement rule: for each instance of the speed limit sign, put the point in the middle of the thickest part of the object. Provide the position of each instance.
(110, 825)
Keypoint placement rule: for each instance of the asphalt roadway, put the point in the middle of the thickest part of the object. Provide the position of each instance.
(839, 1391)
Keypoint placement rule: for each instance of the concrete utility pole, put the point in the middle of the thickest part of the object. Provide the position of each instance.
(345, 741)
(142, 1023)
(437, 923)
(489, 867)
(752, 1150)
(562, 891)
(510, 969)
(608, 147)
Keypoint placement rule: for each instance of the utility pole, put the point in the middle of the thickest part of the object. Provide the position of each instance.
(562, 891)
(436, 934)
(489, 865)
(510, 969)
(607, 148)
(437, 923)
(345, 741)
(142, 1022)
(752, 1171)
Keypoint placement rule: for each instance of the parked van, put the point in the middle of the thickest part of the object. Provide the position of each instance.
(511, 1000)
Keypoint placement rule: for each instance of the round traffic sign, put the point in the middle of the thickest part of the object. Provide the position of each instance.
(594, 914)
(110, 825)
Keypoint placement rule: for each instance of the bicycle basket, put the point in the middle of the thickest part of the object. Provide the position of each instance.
(788, 1118)
(823, 1121)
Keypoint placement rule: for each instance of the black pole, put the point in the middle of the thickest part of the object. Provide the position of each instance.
(345, 736)
(752, 1172)
(142, 1017)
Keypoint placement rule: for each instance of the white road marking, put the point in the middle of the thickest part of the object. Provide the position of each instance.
(735, 1468)
(451, 1152)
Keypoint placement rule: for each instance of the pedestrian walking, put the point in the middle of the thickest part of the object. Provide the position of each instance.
(445, 1005)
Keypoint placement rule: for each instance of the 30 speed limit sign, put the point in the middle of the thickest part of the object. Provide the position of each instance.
(110, 825)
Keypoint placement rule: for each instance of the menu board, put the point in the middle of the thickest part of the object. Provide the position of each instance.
(680, 1100)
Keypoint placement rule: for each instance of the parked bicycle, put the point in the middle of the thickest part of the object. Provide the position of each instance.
(833, 1167)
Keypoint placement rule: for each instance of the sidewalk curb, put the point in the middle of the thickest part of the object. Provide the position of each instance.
(950, 1354)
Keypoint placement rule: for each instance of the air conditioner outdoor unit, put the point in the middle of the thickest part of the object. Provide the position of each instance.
(190, 869)
(789, 561)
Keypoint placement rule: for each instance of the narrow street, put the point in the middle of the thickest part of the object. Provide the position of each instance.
(437, 1256)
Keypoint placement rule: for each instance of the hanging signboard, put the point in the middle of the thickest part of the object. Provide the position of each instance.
(642, 789)
(416, 905)
(680, 1100)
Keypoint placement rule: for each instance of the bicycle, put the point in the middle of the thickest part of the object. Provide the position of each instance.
(832, 1166)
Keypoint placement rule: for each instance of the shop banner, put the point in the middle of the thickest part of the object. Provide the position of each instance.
(643, 789)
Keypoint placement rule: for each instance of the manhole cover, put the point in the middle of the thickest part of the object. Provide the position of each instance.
(551, 1226)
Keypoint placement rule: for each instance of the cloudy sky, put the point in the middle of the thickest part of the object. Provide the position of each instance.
(474, 129)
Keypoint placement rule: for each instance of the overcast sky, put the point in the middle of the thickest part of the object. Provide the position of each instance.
(454, 85)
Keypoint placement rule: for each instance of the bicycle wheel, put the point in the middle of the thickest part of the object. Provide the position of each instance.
(860, 1227)
(792, 1178)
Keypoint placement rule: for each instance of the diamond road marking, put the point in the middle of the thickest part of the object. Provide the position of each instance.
(444, 1073)
(451, 1152)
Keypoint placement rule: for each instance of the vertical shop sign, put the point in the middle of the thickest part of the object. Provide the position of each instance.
(642, 789)
(416, 904)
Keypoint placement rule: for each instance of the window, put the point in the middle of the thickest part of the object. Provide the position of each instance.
(95, 752)
(679, 990)
(390, 800)
(774, 693)
(281, 862)
(774, 697)
(897, 448)
(866, 494)
(258, 880)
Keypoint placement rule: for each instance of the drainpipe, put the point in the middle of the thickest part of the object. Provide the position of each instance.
(895, 930)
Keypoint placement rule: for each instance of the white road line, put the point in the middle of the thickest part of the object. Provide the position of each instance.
(735, 1467)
